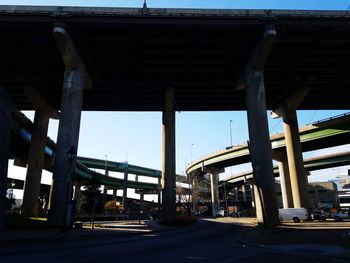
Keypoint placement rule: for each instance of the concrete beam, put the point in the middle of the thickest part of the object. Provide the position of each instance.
(292, 99)
(258, 56)
(70, 56)
(40, 103)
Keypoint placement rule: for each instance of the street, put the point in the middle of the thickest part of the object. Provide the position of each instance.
(206, 241)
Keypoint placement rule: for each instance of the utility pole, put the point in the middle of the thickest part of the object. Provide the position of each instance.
(231, 132)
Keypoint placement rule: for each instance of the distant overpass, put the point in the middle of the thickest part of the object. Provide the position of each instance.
(20, 140)
(310, 164)
(322, 134)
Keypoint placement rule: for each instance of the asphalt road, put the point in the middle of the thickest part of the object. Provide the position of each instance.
(202, 242)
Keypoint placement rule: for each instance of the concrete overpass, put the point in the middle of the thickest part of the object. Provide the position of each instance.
(318, 135)
(321, 134)
(166, 60)
(21, 137)
(310, 164)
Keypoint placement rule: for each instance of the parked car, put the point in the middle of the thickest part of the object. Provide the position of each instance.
(222, 213)
(295, 214)
(339, 216)
(317, 215)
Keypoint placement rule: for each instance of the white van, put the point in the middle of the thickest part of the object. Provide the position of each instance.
(295, 214)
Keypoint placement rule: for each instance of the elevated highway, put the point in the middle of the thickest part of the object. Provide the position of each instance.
(322, 134)
(144, 59)
(310, 164)
(20, 140)
(132, 55)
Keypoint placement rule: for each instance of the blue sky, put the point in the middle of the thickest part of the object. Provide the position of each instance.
(136, 137)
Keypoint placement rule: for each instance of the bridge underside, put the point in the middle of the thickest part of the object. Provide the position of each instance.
(201, 53)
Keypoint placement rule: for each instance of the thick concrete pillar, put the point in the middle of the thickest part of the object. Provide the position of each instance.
(35, 164)
(68, 136)
(5, 128)
(286, 190)
(168, 169)
(298, 178)
(215, 205)
(76, 79)
(114, 193)
(125, 189)
(260, 147)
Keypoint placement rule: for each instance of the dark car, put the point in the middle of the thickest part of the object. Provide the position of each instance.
(318, 216)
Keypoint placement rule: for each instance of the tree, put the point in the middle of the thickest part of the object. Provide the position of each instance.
(91, 196)
(191, 191)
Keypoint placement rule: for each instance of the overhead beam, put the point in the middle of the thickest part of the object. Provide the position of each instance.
(40, 103)
(70, 55)
(258, 56)
(294, 96)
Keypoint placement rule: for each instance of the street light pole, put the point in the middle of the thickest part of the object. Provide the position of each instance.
(225, 198)
(191, 151)
(231, 132)
(106, 173)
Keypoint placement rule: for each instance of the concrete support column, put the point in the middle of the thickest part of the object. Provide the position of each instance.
(236, 194)
(244, 193)
(260, 147)
(215, 205)
(160, 192)
(35, 164)
(286, 190)
(76, 79)
(5, 128)
(252, 194)
(168, 169)
(114, 193)
(142, 198)
(125, 188)
(68, 136)
(298, 178)
(77, 194)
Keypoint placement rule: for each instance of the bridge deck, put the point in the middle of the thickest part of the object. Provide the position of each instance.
(132, 57)
(332, 132)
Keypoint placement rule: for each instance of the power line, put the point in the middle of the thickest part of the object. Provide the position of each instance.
(274, 127)
(313, 115)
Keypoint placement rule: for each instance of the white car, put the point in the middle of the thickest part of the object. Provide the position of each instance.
(341, 215)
